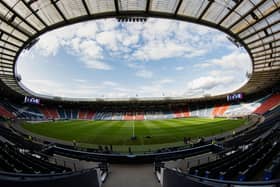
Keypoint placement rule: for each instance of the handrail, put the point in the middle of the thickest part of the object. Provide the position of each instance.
(134, 158)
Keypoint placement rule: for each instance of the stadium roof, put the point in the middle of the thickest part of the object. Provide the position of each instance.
(252, 24)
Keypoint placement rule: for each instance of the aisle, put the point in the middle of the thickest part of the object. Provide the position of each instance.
(131, 176)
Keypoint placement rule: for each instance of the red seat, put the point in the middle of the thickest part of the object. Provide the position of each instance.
(268, 104)
(5, 113)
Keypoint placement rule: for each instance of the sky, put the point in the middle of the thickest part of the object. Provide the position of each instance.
(109, 59)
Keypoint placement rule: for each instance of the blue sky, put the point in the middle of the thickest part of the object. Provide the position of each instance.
(109, 59)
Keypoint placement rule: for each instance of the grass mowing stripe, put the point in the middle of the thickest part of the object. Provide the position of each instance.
(94, 135)
(159, 133)
(119, 132)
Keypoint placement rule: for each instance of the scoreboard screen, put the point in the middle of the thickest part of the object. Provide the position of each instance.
(31, 100)
(235, 97)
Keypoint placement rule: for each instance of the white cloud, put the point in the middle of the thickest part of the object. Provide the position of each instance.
(209, 82)
(235, 60)
(95, 64)
(203, 65)
(179, 68)
(216, 82)
(90, 54)
(154, 40)
(87, 30)
(90, 50)
(146, 74)
(97, 43)
(162, 50)
(163, 81)
(54, 88)
(108, 39)
(110, 83)
(107, 24)
(160, 39)
(48, 45)
(78, 39)
(80, 80)
(42, 86)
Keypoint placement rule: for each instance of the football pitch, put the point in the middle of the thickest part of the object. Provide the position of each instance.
(150, 134)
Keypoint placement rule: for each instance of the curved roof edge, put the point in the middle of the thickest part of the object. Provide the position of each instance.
(255, 25)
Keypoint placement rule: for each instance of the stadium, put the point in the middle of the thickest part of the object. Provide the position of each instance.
(55, 133)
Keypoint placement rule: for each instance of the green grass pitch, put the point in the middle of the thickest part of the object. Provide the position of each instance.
(118, 133)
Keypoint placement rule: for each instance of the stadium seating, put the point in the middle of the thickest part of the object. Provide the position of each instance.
(238, 110)
(53, 113)
(271, 171)
(90, 115)
(74, 113)
(99, 115)
(178, 113)
(250, 155)
(168, 115)
(173, 178)
(181, 112)
(19, 139)
(139, 115)
(9, 107)
(208, 111)
(46, 113)
(82, 114)
(5, 113)
(19, 154)
(21, 112)
(117, 116)
(85, 178)
(194, 110)
(14, 160)
(219, 110)
(241, 162)
(271, 102)
(260, 106)
(23, 164)
(250, 149)
(272, 112)
(68, 113)
(33, 109)
(107, 116)
(49, 113)
(128, 116)
(62, 114)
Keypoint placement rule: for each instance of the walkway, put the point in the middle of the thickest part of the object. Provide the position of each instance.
(132, 176)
